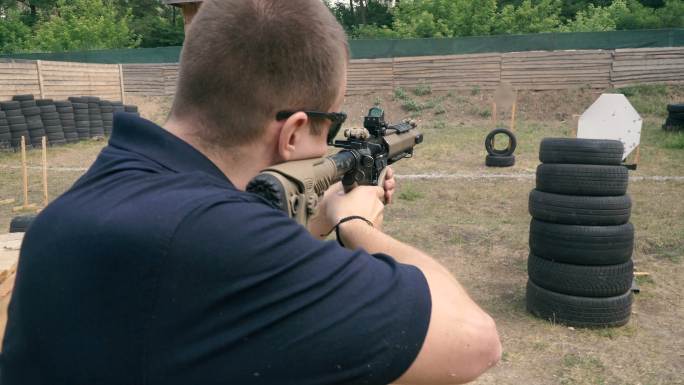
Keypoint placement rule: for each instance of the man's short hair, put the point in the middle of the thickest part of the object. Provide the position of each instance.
(245, 60)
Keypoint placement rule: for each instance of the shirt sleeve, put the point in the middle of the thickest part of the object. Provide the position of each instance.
(249, 296)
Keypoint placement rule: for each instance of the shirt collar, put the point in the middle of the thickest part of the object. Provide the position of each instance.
(146, 138)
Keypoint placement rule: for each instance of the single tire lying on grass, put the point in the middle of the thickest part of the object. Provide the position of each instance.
(581, 151)
(582, 245)
(500, 160)
(512, 142)
(581, 280)
(578, 311)
(580, 210)
(582, 179)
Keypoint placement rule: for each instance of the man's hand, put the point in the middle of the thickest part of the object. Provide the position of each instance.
(324, 220)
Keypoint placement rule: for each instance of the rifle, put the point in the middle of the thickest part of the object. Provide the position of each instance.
(296, 187)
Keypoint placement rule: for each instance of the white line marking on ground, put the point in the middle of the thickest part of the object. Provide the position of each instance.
(521, 176)
(433, 176)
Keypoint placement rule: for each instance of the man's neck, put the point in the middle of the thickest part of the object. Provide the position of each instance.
(239, 164)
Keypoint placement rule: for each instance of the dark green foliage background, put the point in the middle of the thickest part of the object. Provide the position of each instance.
(78, 25)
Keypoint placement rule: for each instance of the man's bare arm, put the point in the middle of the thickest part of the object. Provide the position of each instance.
(462, 341)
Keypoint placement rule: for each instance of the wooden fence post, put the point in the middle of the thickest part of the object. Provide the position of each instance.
(40, 79)
(45, 172)
(121, 84)
(513, 111)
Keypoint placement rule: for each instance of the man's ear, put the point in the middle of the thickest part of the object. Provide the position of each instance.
(295, 126)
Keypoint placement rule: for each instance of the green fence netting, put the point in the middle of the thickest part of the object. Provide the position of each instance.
(373, 49)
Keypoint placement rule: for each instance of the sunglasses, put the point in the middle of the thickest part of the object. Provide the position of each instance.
(337, 118)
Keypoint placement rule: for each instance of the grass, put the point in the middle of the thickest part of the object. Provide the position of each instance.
(580, 369)
(645, 280)
(675, 141)
(409, 194)
(648, 99)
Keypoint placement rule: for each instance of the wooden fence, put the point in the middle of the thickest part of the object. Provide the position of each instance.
(647, 66)
(59, 80)
(597, 69)
(557, 70)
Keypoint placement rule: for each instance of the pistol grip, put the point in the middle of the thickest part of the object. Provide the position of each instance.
(381, 182)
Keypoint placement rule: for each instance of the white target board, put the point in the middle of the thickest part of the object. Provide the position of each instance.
(612, 117)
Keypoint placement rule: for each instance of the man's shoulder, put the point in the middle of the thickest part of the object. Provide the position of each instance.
(130, 204)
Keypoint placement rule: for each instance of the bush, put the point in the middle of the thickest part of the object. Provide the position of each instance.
(422, 89)
(400, 94)
(411, 105)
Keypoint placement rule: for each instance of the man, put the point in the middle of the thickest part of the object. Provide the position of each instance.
(157, 268)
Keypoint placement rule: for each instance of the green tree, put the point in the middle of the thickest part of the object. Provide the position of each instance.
(361, 14)
(444, 18)
(157, 24)
(14, 34)
(83, 25)
(595, 18)
(529, 17)
(32, 9)
(672, 14)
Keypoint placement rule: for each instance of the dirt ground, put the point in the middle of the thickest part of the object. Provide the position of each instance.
(475, 221)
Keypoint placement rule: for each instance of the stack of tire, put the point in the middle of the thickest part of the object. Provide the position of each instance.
(118, 107)
(51, 121)
(675, 118)
(66, 118)
(107, 110)
(34, 122)
(131, 109)
(96, 123)
(17, 122)
(496, 157)
(5, 133)
(581, 242)
(81, 116)
(21, 223)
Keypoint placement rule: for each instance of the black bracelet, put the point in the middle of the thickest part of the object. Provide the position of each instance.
(347, 219)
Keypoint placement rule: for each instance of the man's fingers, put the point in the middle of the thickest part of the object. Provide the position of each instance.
(390, 173)
(390, 184)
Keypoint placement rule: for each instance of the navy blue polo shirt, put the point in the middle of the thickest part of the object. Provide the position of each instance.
(154, 269)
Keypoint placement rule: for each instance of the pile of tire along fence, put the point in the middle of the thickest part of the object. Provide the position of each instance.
(67, 121)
